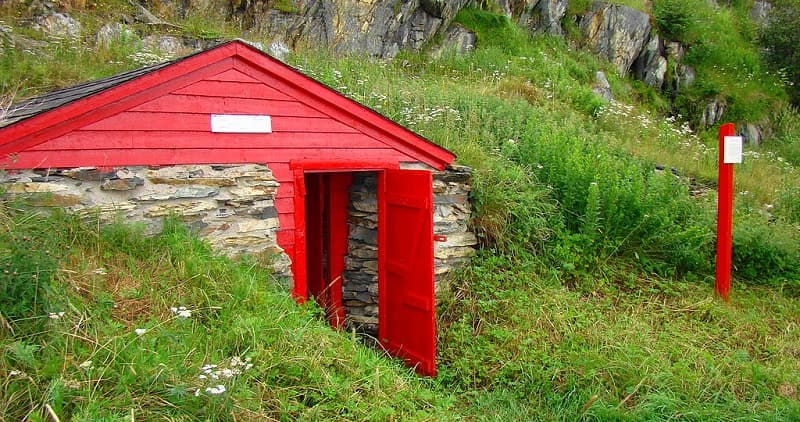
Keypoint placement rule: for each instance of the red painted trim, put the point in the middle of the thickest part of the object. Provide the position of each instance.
(382, 270)
(169, 156)
(310, 166)
(300, 288)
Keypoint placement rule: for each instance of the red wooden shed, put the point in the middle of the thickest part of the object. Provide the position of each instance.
(233, 104)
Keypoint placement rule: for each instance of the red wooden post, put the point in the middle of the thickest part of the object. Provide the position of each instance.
(724, 216)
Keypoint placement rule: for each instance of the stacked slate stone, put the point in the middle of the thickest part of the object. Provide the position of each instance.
(451, 216)
(360, 278)
(231, 206)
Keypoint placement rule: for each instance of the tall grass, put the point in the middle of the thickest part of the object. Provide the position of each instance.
(129, 327)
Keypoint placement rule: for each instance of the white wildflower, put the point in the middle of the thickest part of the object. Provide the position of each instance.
(181, 312)
(86, 365)
(216, 390)
(55, 315)
(140, 331)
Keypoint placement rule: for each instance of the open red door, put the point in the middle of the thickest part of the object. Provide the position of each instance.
(406, 298)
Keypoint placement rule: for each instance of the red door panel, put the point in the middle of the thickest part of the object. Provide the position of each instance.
(338, 203)
(407, 311)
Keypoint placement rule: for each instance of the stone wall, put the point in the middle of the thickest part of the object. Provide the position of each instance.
(360, 278)
(231, 206)
(450, 219)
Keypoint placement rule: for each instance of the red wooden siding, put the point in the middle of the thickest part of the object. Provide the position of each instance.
(163, 118)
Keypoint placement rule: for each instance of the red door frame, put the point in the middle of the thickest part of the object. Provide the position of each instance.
(299, 168)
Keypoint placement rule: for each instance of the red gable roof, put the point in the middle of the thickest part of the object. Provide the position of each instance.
(130, 119)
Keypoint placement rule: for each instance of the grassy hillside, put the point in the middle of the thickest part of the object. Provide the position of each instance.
(592, 297)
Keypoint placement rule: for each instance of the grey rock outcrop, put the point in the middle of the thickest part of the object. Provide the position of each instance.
(6, 37)
(602, 87)
(650, 67)
(759, 13)
(165, 45)
(616, 33)
(682, 75)
(753, 134)
(543, 16)
(59, 25)
(114, 33)
(713, 112)
(457, 40)
(278, 50)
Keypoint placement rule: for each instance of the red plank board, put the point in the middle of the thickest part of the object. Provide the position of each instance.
(166, 156)
(175, 103)
(232, 76)
(284, 205)
(285, 191)
(108, 139)
(137, 120)
(233, 89)
(282, 172)
(286, 219)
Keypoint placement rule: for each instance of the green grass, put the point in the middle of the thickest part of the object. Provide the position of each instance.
(79, 351)
(524, 346)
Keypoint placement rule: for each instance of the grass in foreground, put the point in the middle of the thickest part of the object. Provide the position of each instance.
(109, 325)
(521, 344)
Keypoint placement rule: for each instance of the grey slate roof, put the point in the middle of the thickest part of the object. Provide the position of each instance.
(54, 99)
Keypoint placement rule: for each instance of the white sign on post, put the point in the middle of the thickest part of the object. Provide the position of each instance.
(241, 123)
(733, 150)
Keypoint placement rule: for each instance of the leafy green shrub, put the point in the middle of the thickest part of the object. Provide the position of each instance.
(615, 204)
(674, 18)
(765, 254)
(512, 210)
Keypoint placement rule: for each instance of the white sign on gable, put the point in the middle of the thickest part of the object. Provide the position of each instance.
(732, 153)
(241, 123)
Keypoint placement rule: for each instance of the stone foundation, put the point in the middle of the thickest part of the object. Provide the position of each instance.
(231, 206)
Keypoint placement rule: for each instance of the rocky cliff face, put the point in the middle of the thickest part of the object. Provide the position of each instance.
(616, 32)
(379, 28)
(383, 28)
